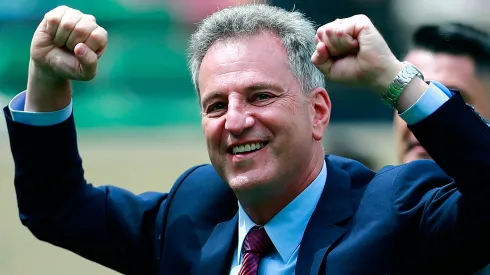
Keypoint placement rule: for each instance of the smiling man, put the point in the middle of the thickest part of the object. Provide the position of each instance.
(271, 202)
(234, 122)
(456, 55)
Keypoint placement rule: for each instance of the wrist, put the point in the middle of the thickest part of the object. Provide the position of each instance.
(412, 93)
(46, 92)
(386, 76)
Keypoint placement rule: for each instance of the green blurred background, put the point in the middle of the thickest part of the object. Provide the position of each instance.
(138, 120)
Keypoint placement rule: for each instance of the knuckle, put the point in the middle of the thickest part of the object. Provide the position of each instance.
(90, 17)
(52, 19)
(102, 31)
(322, 35)
(61, 8)
(70, 19)
(99, 34)
(73, 11)
(67, 25)
(364, 18)
(81, 31)
(56, 12)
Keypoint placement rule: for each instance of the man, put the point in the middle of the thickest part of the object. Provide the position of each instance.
(456, 55)
(271, 202)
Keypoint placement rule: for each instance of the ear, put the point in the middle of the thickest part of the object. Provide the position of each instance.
(320, 112)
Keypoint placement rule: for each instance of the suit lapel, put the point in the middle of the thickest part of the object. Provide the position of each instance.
(218, 250)
(328, 222)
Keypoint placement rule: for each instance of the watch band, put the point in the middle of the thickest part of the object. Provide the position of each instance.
(399, 83)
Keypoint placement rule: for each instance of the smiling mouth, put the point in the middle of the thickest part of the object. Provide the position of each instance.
(246, 148)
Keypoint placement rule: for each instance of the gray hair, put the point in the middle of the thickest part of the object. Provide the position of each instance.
(296, 33)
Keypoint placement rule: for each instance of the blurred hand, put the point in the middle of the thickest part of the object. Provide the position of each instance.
(66, 46)
(352, 51)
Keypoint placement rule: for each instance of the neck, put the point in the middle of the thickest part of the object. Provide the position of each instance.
(272, 198)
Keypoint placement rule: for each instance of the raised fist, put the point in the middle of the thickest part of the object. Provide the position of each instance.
(67, 45)
(352, 51)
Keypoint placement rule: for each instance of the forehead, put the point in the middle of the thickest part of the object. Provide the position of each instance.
(455, 71)
(243, 61)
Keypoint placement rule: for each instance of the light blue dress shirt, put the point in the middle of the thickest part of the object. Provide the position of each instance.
(286, 228)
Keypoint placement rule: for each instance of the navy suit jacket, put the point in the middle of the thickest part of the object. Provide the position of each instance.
(418, 218)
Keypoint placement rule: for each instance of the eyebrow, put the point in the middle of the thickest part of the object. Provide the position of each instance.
(264, 86)
(250, 88)
(210, 96)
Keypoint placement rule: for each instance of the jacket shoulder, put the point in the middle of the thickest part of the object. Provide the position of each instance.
(414, 176)
(202, 195)
(417, 184)
(357, 171)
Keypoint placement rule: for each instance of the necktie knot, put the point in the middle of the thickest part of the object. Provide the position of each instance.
(257, 241)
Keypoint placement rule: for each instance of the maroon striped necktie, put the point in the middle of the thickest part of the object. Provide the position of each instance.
(255, 245)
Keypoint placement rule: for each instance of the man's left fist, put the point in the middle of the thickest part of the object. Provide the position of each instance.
(352, 51)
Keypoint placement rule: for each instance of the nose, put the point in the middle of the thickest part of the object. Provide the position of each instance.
(410, 137)
(238, 120)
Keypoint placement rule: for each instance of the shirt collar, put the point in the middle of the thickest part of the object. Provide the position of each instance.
(287, 227)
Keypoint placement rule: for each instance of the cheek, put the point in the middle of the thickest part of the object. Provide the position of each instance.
(290, 130)
(212, 131)
(274, 122)
(287, 114)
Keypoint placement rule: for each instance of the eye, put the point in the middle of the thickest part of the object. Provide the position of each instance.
(218, 106)
(261, 96)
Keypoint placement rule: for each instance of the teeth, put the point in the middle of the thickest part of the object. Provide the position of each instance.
(245, 148)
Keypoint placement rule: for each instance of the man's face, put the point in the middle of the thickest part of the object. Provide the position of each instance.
(260, 129)
(454, 71)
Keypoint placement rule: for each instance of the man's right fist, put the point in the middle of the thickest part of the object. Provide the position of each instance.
(67, 45)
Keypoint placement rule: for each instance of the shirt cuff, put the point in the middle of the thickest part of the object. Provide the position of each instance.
(16, 107)
(433, 98)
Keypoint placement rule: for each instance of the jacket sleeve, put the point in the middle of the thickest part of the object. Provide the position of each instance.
(450, 199)
(106, 224)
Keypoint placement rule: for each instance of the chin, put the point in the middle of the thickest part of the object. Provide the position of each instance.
(249, 182)
(251, 190)
(243, 182)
